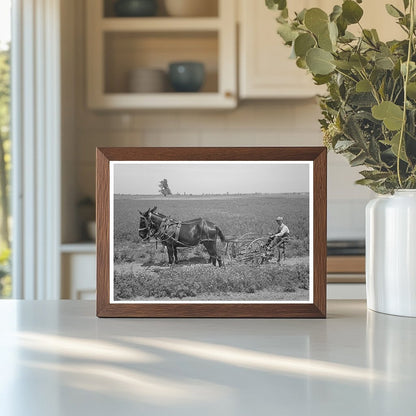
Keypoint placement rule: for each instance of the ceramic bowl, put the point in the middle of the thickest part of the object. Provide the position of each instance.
(135, 8)
(147, 80)
(186, 76)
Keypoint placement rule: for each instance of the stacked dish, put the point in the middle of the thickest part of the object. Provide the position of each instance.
(147, 80)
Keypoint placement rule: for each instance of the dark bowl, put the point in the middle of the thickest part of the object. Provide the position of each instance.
(135, 8)
(186, 76)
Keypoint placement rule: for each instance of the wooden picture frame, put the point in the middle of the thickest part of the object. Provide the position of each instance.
(315, 157)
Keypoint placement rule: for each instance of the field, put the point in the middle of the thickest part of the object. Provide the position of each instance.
(141, 270)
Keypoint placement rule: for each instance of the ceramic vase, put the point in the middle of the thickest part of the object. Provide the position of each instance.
(391, 253)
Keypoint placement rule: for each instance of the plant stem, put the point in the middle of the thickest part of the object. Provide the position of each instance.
(346, 75)
(406, 80)
(373, 88)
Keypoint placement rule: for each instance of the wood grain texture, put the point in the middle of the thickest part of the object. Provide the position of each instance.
(346, 264)
(317, 309)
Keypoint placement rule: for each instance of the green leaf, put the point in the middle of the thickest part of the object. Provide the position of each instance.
(374, 174)
(394, 145)
(382, 89)
(406, 4)
(354, 132)
(412, 67)
(362, 99)
(276, 4)
(301, 15)
(358, 61)
(320, 61)
(282, 20)
(368, 36)
(336, 12)
(303, 43)
(342, 25)
(374, 150)
(316, 20)
(333, 32)
(363, 86)
(347, 37)
(365, 182)
(287, 33)
(345, 65)
(388, 112)
(384, 62)
(321, 79)
(375, 35)
(358, 160)
(301, 63)
(411, 90)
(325, 42)
(343, 145)
(351, 11)
(393, 11)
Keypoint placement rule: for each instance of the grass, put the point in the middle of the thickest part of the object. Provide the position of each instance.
(201, 281)
(141, 270)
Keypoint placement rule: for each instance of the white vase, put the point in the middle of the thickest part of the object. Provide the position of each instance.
(391, 253)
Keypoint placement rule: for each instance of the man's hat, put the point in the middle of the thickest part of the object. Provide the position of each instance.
(279, 219)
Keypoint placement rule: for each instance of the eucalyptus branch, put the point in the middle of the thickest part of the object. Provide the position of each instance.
(406, 80)
(346, 75)
(373, 88)
(398, 95)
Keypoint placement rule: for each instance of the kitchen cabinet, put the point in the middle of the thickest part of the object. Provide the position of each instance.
(78, 263)
(265, 69)
(118, 45)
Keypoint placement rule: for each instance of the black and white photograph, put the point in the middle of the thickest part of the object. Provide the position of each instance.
(211, 232)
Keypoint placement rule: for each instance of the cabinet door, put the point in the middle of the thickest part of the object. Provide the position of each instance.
(265, 68)
(78, 276)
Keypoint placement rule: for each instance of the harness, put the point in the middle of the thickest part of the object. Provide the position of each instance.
(167, 232)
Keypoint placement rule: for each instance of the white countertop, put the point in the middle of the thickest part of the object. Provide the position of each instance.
(57, 358)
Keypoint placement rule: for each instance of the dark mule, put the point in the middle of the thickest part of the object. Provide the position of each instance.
(174, 234)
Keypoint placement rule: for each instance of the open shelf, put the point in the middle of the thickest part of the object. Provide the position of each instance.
(167, 100)
(119, 45)
(210, 7)
(126, 51)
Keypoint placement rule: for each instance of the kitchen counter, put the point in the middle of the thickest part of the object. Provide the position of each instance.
(57, 358)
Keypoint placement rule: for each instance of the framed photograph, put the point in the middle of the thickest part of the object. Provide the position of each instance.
(211, 232)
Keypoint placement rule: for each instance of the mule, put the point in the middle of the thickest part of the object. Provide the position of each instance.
(173, 234)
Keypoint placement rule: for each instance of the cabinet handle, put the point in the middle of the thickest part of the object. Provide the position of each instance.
(229, 94)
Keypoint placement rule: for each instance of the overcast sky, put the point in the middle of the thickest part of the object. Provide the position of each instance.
(139, 178)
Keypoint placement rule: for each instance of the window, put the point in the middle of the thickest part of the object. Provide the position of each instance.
(5, 147)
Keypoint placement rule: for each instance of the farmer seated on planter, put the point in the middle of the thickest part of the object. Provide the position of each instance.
(281, 234)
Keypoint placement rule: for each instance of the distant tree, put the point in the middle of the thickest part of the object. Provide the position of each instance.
(164, 188)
